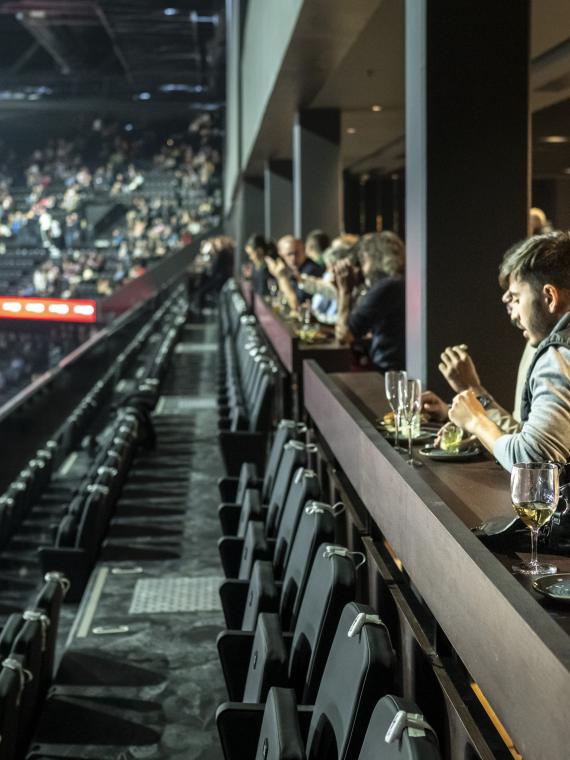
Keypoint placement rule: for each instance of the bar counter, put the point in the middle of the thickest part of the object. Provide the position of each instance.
(291, 351)
(515, 644)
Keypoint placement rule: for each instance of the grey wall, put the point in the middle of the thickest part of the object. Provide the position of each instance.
(232, 161)
(269, 25)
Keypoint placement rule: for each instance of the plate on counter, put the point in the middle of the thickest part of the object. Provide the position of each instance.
(434, 452)
(555, 587)
(389, 434)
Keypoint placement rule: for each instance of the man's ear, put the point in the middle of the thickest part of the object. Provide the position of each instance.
(551, 296)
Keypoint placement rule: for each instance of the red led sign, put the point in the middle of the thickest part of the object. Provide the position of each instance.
(48, 309)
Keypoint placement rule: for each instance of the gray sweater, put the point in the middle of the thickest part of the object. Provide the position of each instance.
(545, 435)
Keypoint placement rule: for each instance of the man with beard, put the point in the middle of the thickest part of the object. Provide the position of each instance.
(539, 295)
(459, 370)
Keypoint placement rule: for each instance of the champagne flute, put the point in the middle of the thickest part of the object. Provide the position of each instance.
(534, 495)
(392, 383)
(410, 397)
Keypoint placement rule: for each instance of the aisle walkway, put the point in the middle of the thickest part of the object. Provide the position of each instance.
(141, 677)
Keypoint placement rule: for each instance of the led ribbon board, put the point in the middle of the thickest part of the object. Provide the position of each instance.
(48, 309)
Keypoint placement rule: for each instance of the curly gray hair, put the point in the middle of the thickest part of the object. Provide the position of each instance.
(385, 250)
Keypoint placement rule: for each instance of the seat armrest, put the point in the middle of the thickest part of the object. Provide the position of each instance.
(230, 548)
(234, 649)
(233, 595)
(229, 515)
(228, 489)
(239, 726)
(242, 446)
(284, 729)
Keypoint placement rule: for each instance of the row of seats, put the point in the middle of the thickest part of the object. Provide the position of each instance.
(309, 669)
(33, 480)
(27, 654)
(246, 383)
(55, 522)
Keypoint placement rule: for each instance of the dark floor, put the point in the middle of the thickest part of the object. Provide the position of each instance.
(145, 682)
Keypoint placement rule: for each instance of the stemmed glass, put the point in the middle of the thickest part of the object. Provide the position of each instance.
(392, 383)
(410, 402)
(534, 494)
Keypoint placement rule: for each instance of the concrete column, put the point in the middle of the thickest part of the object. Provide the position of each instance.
(467, 181)
(317, 182)
(278, 196)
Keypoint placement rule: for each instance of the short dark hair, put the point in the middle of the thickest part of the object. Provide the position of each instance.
(257, 240)
(319, 239)
(539, 260)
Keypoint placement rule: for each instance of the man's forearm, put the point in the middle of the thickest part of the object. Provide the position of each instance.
(287, 290)
(343, 334)
(487, 432)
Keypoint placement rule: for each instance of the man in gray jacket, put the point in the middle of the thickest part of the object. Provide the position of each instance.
(539, 291)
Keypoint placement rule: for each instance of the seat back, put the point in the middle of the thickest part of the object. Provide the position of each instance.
(359, 671)
(316, 526)
(331, 586)
(262, 594)
(280, 735)
(268, 661)
(399, 728)
(48, 602)
(250, 510)
(305, 488)
(294, 456)
(286, 431)
(255, 547)
(12, 686)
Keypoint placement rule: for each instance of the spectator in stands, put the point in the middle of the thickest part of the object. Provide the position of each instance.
(539, 288)
(315, 245)
(381, 311)
(539, 224)
(293, 262)
(257, 249)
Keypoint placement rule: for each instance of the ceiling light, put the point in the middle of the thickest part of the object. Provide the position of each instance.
(170, 11)
(144, 96)
(129, 127)
(376, 108)
(554, 139)
(351, 131)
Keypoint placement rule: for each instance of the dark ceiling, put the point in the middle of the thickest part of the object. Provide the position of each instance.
(134, 56)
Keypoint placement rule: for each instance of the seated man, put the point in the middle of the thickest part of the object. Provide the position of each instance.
(294, 263)
(539, 290)
(257, 249)
(382, 310)
(459, 370)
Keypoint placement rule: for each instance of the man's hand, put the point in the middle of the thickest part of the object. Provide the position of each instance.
(276, 267)
(467, 412)
(434, 406)
(344, 276)
(459, 370)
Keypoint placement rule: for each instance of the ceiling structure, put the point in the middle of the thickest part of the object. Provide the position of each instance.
(367, 85)
(128, 57)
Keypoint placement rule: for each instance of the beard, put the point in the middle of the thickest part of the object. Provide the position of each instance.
(540, 322)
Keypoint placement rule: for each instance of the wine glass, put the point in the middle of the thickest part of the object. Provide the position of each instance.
(392, 382)
(534, 495)
(410, 401)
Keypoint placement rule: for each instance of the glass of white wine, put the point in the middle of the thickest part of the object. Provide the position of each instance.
(534, 494)
(392, 380)
(410, 403)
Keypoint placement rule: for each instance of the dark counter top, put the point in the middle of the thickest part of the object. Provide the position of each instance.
(515, 645)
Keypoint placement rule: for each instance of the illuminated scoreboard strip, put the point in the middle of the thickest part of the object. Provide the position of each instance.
(48, 309)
